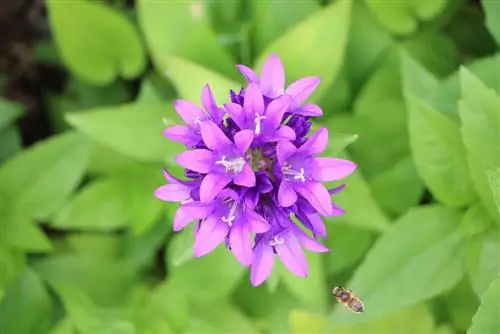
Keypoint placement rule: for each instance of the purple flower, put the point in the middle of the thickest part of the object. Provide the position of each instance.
(253, 166)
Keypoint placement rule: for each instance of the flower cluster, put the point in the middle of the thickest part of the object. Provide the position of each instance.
(253, 172)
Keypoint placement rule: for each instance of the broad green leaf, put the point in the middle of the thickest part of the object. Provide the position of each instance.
(12, 262)
(182, 29)
(361, 208)
(348, 244)
(180, 249)
(474, 221)
(480, 114)
(41, 177)
(461, 305)
(189, 79)
(21, 232)
(492, 12)
(64, 326)
(11, 143)
(219, 269)
(9, 112)
(311, 290)
(29, 298)
(305, 322)
(105, 160)
(494, 180)
(99, 206)
(444, 329)
(270, 23)
(225, 317)
(486, 320)
(399, 188)
(404, 17)
(483, 260)
(439, 154)
(321, 50)
(134, 130)
(420, 268)
(96, 42)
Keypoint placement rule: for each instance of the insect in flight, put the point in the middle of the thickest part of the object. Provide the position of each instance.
(348, 299)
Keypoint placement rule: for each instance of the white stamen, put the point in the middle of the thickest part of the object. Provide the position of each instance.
(277, 240)
(229, 220)
(235, 165)
(258, 123)
(288, 171)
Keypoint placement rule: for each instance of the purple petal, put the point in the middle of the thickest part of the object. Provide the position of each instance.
(254, 101)
(174, 192)
(317, 143)
(211, 185)
(275, 111)
(331, 169)
(243, 140)
(182, 134)
(303, 88)
(172, 179)
(248, 73)
(228, 194)
(251, 198)
(211, 234)
(285, 133)
(189, 111)
(241, 244)
(317, 224)
(197, 160)
(256, 222)
(198, 210)
(336, 189)
(246, 177)
(213, 137)
(236, 112)
(309, 110)
(293, 257)
(272, 78)
(284, 150)
(262, 264)
(286, 195)
(210, 105)
(317, 195)
(309, 243)
(181, 219)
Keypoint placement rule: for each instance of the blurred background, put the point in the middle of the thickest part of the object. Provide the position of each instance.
(409, 92)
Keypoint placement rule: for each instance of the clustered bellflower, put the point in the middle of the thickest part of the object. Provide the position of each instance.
(251, 166)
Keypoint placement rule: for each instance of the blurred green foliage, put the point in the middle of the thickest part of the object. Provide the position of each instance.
(411, 92)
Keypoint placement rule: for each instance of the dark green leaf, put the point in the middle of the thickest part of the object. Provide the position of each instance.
(9, 112)
(461, 305)
(492, 11)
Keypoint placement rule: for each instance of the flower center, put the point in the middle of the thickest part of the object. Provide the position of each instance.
(233, 165)
(230, 217)
(277, 240)
(258, 123)
(291, 174)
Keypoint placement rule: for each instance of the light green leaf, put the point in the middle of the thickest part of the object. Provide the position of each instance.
(189, 79)
(11, 143)
(444, 329)
(41, 177)
(21, 232)
(98, 206)
(105, 160)
(323, 40)
(225, 317)
(461, 304)
(475, 221)
(492, 12)
(439, 154)
(494, 180)
(420, 268)
(399, 188)
(182, 29)
(12, 262)
(180, 249)
(305, 322)
(9, 112)
(403, 17)
(95, 42)
(486, 320)
(64, 326)
(483, 259)
(27, 296)
(348, 244)
(134, 130)
(480, 114)
(311, 290)
(270, 23)
(219, 269)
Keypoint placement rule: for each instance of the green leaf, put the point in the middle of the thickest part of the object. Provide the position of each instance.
(64, 326)
(439, 154)
(480, 114)
(219, 269)
(182, 29)
(461, 304)
(180, 249)
(225, 317)
(96, 42)
(12, 262)
(483, 260)
(189, 79)
(349, 245)
(399, 188)
(305, 322)
(494, 180)
(41, 177)
(403, 18)
(21, 232)
(323, 40)
(27, 296)
(120, 127)
(98, 206)
(11, 143)
(444, 329)
(475, 221)
(420, 268)
(311, 290)
(492, 12)
(486, 320)
(269, 22)
(105, 160)
(9, 112)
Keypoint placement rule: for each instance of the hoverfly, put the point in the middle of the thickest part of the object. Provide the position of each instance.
(348, 299)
